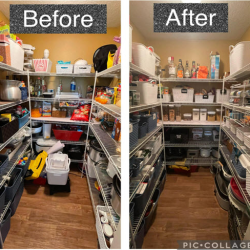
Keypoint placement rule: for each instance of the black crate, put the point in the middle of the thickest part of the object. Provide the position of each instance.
(143, 128)
(8, 130)
(133, 135)
(2, 198)
(179, 136)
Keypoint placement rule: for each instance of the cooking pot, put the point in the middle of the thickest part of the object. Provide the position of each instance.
(9, 90)
(205, 152)
(96, 153)
(111, 168)
(116, 195)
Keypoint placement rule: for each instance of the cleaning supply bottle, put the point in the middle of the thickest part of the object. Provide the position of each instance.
(73, 85)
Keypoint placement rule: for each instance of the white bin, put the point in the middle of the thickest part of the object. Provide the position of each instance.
(183, 95)
(143, 57)
(148, 91)
(239, 56)
(81, 69)
(222, 97)
(204, 98)
(64, 68)
(16, 55)
(45, 144)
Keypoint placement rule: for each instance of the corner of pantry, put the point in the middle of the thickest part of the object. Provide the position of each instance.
(197, 85)
(60, 170)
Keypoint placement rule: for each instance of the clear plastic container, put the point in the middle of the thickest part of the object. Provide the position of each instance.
(203, 114)
(178, 113)
(211, 116)
(196, 114)
(36, 109)
(171, 113)
(187, 117)
(218, 114)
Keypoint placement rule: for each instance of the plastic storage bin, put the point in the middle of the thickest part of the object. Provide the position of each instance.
(151, 120)
(149, 219)
(131, 212)
(183, 95)
(143, 128)
(143, 57)
(204, 98)
(148, 91)
(179, 135)
(133, 133)
(5, 160)
(22, 121)
(5, 225)
(196, 114)
(239, 56)
(156, 142)
(2, 198)
(45, 145)
(5, 49)
(8, 130)
(67, 135)
(17, 199)
(222, 97)
(42, 65)
(16, 55)
(203, 114)
(211, 116)
(64, 68)
(139, 238)
(240, 131)
(24, 93)
(13, 187)
(162, 181)
(247, 139)
(81, 69)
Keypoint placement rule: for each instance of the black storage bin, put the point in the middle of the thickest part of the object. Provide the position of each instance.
(179, 136)
(5, 160)
(17, 198)
(5, 225)
(135, 165)
(74, 152)
(131, 212)
(139, 238)
(24, 167)
(151, 120)
(8, 130)
(149, 219)
(133, 133)
(12, 188)
(143, 128)
(2, 198)
(162, 180)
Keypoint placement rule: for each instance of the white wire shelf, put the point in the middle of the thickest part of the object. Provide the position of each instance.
(108, 144)
(54, 99)
(237, 108)
(191, 104)
(239, 143)
(143, 107)
(6, 172)
(61, 75)
(191, 123)
(242, 186)
(240, 75)
(58, 120)
(138, 71)
(111, 72)
(104, 182)
(203, 162)
(135, 181)
(138, 219)
(144, 140)
(5, 67)
(240, 86)
(193, 80)
(80, 142)
(241, 230)
(6, 105)
(76, 161)
(3, 145)
(112, 109)
(193, 144)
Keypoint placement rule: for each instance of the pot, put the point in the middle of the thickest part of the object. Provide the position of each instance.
(96, 153)
(9, 90)
(111, 169)
(116, 195)
(205, 152)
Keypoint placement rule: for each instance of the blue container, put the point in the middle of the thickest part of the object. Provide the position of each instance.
(24, 93)
(22, 121)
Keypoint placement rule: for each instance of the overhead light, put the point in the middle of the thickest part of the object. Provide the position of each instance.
(191, 1)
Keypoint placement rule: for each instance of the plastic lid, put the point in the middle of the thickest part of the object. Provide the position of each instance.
(47, 142)
(203, 110)
(211, 112)
(196, 110)
(107, 230)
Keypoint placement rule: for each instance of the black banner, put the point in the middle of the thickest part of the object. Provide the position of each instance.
(58, 19)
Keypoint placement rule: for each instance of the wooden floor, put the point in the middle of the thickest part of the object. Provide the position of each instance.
(187, 210)
(64, 220)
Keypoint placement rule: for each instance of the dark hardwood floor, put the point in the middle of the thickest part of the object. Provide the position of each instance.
(62, 220)
(187, 210)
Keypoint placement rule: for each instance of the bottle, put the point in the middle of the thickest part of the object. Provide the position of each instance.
(166, 70)
(44, 85)
(187, 71)
(180, 69)
(193, 70)
(172, 69)
(73, 85)
(197, 70)
(60, 85)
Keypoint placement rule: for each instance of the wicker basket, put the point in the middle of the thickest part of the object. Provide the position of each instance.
(59, 113)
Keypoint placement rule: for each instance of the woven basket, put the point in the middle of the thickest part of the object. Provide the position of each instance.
(59, 113)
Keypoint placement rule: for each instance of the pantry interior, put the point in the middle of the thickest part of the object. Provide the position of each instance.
(65, 104)
(201, 193)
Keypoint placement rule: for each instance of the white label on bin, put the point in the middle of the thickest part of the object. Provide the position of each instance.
(141, 188)
(130, 128)
(154, 116)
(178, 136)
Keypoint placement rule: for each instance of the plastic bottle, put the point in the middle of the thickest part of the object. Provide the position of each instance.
(19, 110)
(73, 85)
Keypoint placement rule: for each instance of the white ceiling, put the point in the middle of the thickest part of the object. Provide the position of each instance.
(141, 15)
(113, 8)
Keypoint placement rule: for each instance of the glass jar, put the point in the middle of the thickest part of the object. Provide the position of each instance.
(171, 113)
(178, 113)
